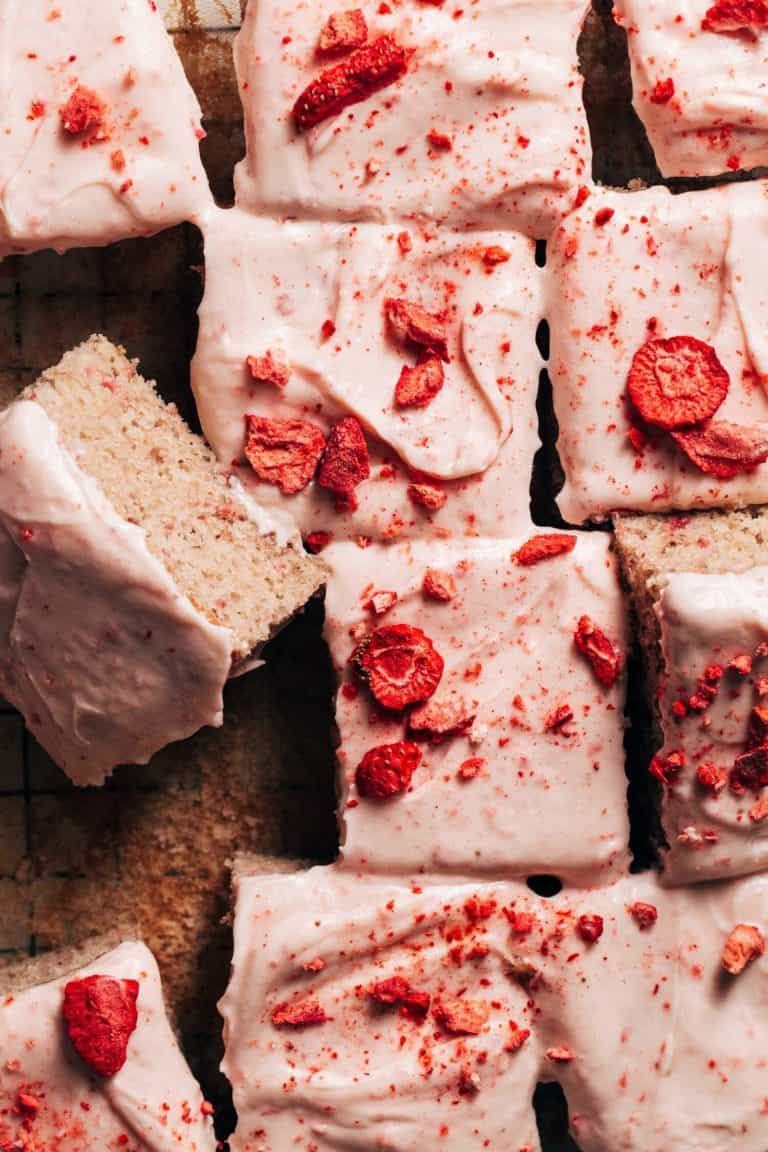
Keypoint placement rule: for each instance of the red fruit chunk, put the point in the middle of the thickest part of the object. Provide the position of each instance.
(387, 771)
(561, 1054)
(747, 16)
(667, 768)
(101, 1016)
(544, 547)
(317, 542)
(267, 369)
(463, 1017)
(758, 728)
(645, 915)
(724, 450)
(345, 464)
(439, 585)
(427, 496)
(342, 32)
(590, 928)
(381, 602)
(400, 665)
(285, 453)
(494, 255)
(558, 718)
(471, 768)
(365, 71)
(418, 386)
(299, 1014)
(397, 992)
(601, 652)
(517, 1037)
(412, 323)
(750, 771)
(677, 382)
(663, 91)
(439, 719)
(711, 778)
(84, 114)
(745, 944)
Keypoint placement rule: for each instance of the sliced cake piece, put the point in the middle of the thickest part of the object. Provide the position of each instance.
(700, 89)
(699, 585)
(480, 705)
(369, 380)
(659, 355)
(135, 577)
(100, 127)
(90, 1062)
(469, 114)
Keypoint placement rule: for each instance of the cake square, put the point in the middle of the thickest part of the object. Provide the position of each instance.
(699, 83)
(658, 310)
(414, 354)
(470, 115)
(100, 128)
(511, 762)
(699, 587)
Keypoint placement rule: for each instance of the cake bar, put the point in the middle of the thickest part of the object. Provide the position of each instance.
(136, 578)
(658, 314)
(100, 128)
(480, 706)
(369, 380)
(699, 84)
(468, 115)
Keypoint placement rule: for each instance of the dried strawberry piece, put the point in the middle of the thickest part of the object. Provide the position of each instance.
(599, 650)
(667, 768)
(342, 32)
(722, 449)
(759, 811)
(269, 369)
(439, 585)
(745, 16)
(644, 915)
(381, 602)
(590, 928)
(471, 768)
(757, 734)
(741, 665)
(418, 386)
(561, 1054)
(285, 453)
(101, 1016)
(412, 323)
(522, 923)
(316, 542)
(544, 547)
(365, 71)
(677, 381)
(517, 1037)
(306, 1013)
(494, 255)
(750, 771)
(558, 718)
(745, 944)
(398, 992)
(400, 665)
(440, 719)
(387, 771)
(462, 1017)
(711, 778)
(427, 496)
(663, 91)
(84, 114)
(345, 464)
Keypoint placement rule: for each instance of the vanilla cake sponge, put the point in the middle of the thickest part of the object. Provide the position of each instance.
(90, 1061)
(467, 115)
(371, 380)
(100, 128)
(480, 706)
(136, 578)
(385, 1012)
(658, 309)
(699, 84)
(699, 588)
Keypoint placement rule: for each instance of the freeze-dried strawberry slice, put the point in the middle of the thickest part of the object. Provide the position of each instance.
(285, 453)
(269, 369)
(439, 585)
(396, 992)
(427, 496)
(305, 1013)
(400, 665)
(342, 32)
(745, 944)
(365, 71)
(412, 323)
(746, 16)
(644, 915)
(84, 114)
(439, 719)
(462, 1017)
(599, 650)
(750, 771)
(590, 928)
(676, 382)
(722, 449)
(544, 547)
(418, 386)
(101, 1016)
(345, 464)
(387, 771)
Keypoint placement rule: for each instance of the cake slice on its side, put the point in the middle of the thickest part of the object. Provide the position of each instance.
(134, 577)
(90, 1061)
(699, 587)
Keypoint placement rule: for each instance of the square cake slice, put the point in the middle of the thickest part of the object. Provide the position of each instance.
(469, 115)
(480, 706)
(699, 586)
(659, 356)
(90, 1062)
(100, 127)
(700, 88)
(135, 577)
(368, 380)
